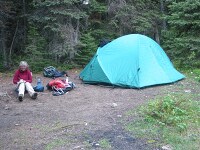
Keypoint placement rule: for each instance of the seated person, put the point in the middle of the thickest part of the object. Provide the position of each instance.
(23, 79)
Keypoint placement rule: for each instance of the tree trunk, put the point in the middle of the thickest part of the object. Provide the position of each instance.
(77, 32)
(11, 46)
(5, 62)
(156, 34)
(24, 19)
(162, 9)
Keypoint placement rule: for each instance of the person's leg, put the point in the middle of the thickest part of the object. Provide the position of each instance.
(21, 89)
(30, 90)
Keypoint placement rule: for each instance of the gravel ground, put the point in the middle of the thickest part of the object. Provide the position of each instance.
(78, 119)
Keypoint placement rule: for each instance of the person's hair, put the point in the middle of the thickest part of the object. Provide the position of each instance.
(23, 63)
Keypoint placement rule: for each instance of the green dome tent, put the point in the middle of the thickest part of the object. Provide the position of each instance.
(132, 61)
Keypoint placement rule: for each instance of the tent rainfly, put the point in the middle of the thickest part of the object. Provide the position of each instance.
(131, 61)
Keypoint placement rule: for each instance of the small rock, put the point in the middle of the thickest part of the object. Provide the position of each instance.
(167, 147)
(17, 124)
(119, 116)
(77, 147)
(114, 105)
(95, 144)
(6, 108)
(187, 91)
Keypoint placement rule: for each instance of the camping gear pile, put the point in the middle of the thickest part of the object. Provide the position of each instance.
(56, 85)
(59, 86)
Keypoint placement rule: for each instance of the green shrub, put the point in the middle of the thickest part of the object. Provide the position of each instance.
(173, 120)
(172, 110)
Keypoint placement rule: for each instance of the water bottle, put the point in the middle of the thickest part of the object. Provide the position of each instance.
(39, 81)
(66, 80)
(39, 87)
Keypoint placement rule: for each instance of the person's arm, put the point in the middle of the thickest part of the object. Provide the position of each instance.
(29, 77)
(16, 77)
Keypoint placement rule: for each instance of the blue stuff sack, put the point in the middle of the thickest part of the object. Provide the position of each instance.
(39, 87)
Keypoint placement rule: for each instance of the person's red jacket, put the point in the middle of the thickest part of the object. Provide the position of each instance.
(25, 75)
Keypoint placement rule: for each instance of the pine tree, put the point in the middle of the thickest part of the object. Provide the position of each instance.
(182, 39)
(60, 21)
(135, 16)
(35, 52)
(86, 49)
(97, 28)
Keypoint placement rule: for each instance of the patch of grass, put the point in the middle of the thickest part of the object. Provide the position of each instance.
(196, 74)
(6, 74)
(56, 143)
(193, 74)
(105, 144)
(87, 145)
(172, 119)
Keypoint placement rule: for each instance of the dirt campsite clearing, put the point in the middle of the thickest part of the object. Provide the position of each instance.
(80, 119)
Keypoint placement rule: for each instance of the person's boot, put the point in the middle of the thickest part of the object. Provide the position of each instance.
(34, 96)
(20, 97)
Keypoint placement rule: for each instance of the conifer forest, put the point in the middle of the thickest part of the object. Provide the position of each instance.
(67, 32)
